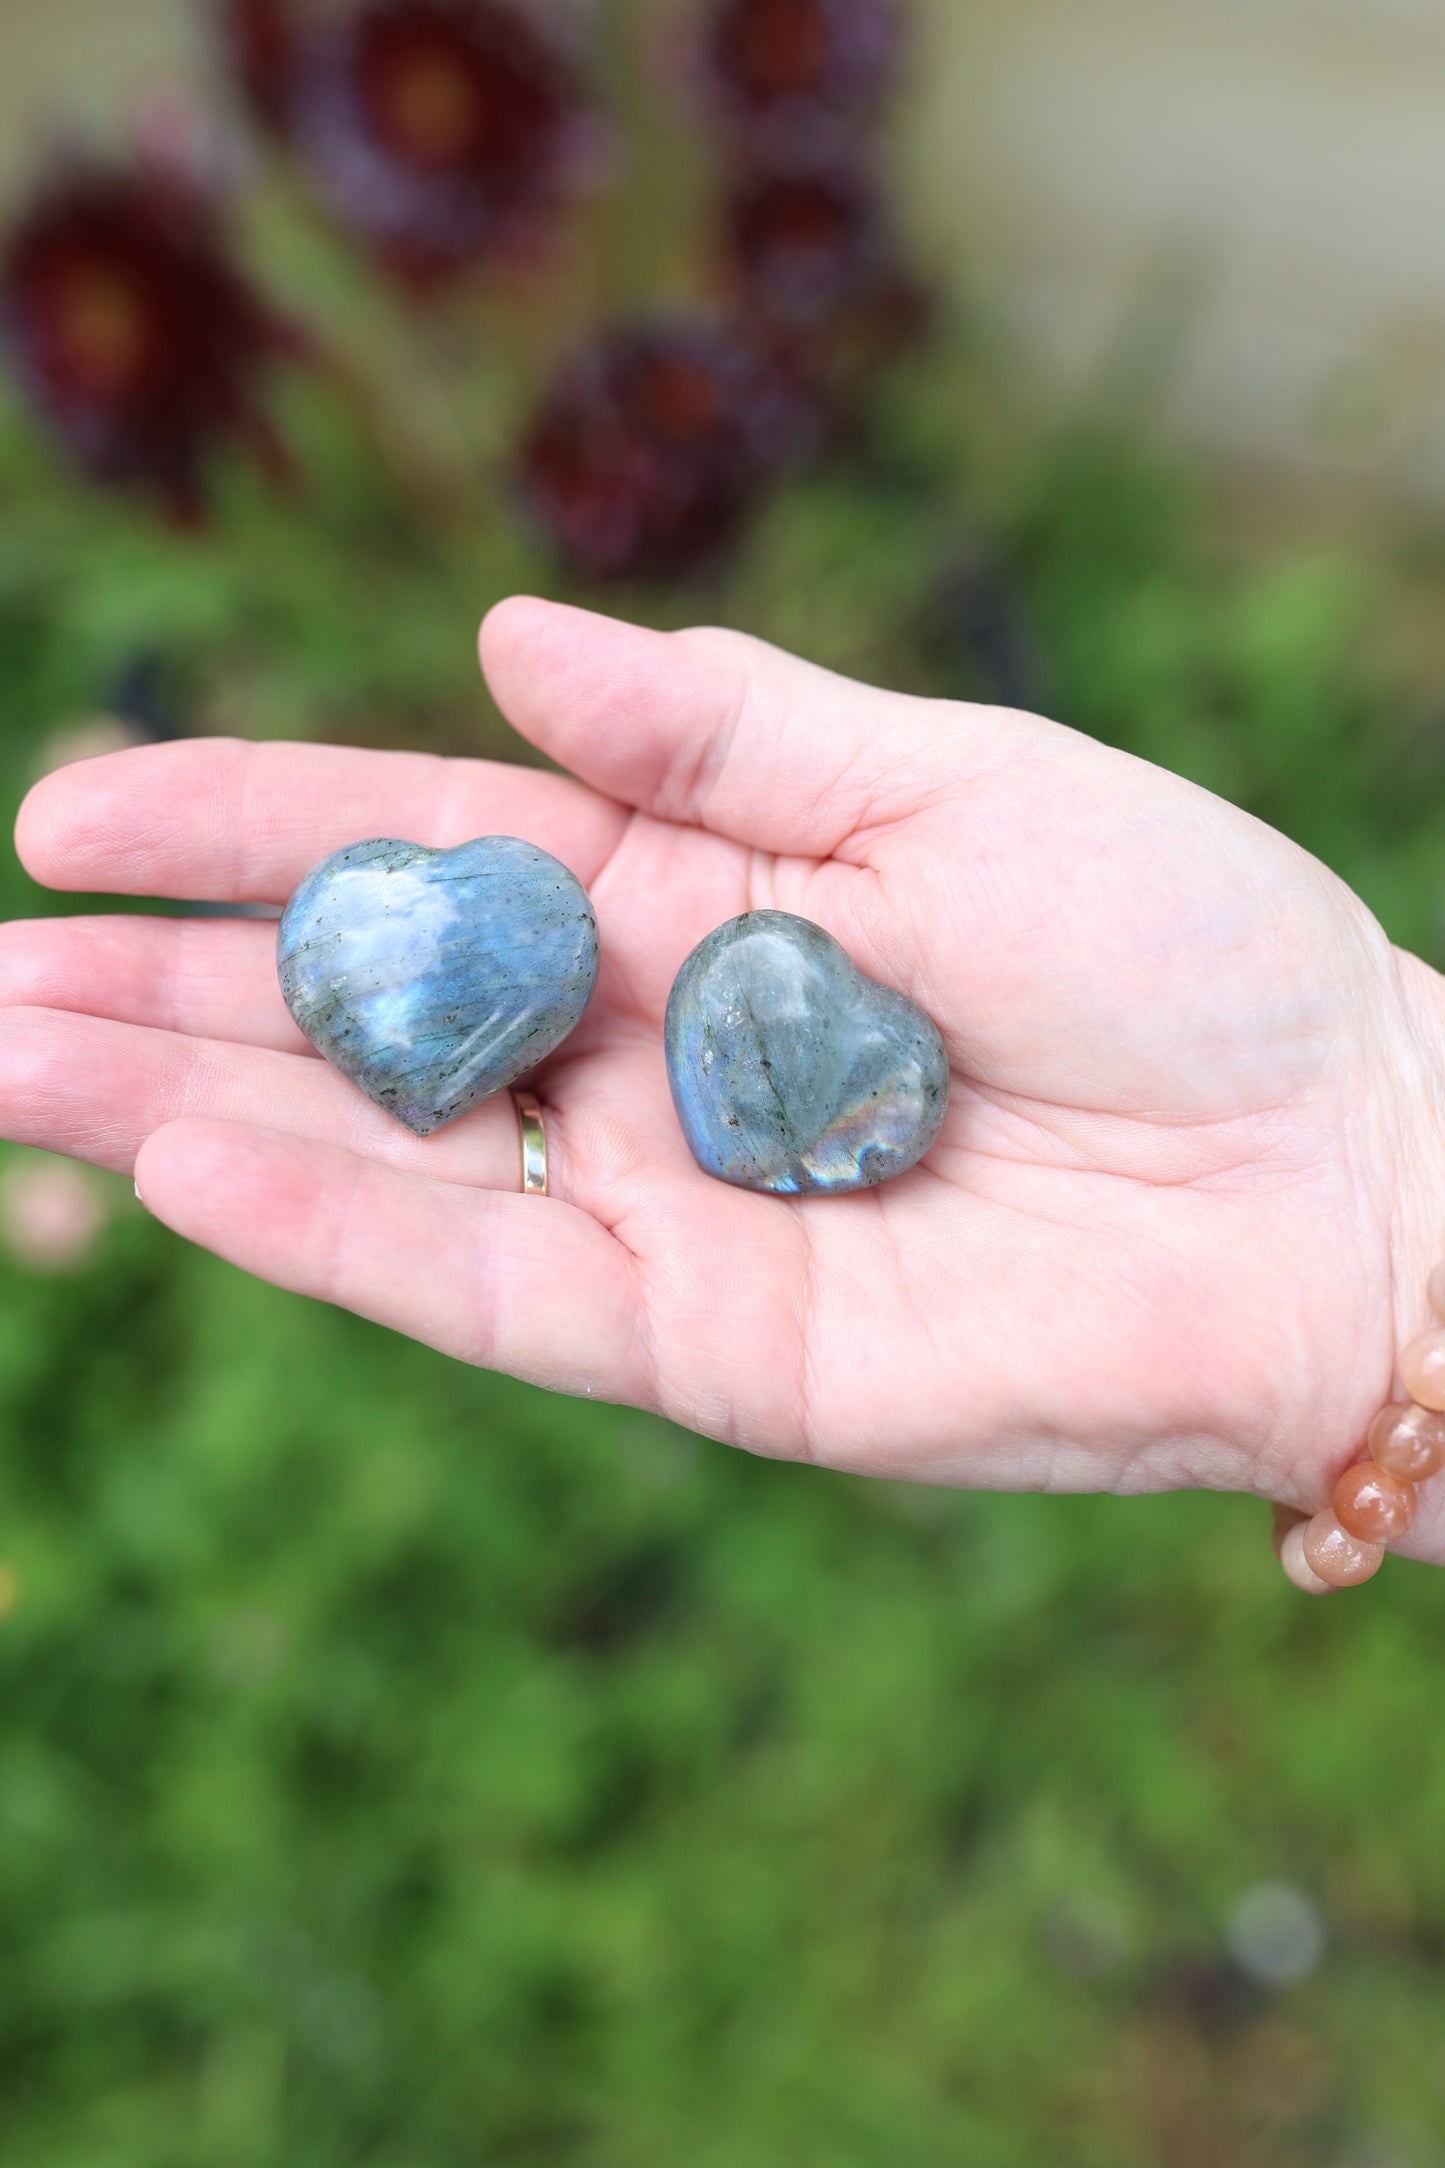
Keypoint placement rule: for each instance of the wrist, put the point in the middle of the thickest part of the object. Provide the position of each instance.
(1417, 1227)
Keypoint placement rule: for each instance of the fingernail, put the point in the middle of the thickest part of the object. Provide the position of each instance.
(138, 1197)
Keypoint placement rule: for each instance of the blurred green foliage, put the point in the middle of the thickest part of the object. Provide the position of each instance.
(403, 1769)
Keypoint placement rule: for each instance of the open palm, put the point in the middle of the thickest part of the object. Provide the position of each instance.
(1167, 1235)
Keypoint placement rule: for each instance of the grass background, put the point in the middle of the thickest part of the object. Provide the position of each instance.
(403, 1769)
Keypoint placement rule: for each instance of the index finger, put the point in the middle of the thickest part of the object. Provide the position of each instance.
(224, 820)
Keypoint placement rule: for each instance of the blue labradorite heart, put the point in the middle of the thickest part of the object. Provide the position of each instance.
(793, 1073)
(433, 978)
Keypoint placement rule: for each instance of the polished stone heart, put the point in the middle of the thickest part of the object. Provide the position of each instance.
(793, 1073)
(433, 978)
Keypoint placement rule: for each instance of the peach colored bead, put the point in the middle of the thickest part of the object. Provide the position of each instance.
(1336, 1556)
(1422, 1369)
(1289, 1542)
(1435, 1289)
(1372, 1503)
(1409, 1441)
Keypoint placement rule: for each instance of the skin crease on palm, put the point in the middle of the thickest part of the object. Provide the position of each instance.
(1178, 1220)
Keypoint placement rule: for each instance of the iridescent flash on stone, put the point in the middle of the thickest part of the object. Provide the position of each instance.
(433, 978)
(793, 1073)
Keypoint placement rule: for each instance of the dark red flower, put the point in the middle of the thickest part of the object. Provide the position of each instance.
(814, 267)
(648, 455)
(133, 332)
(442, 131)
(258, 41)
(802, 69)
(805, 246)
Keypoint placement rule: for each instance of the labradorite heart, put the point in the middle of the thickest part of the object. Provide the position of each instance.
(793, 1073)
(433, 978)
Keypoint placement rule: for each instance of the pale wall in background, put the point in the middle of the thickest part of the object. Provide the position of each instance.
(1253, 189)
(63, 59)
(1233, 209)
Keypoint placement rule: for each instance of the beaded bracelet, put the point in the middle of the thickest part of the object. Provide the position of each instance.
(1374, 1501)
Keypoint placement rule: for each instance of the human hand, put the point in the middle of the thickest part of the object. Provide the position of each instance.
(1178, 1219)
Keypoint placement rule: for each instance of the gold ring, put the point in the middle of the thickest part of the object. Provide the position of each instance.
(534, 1145)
